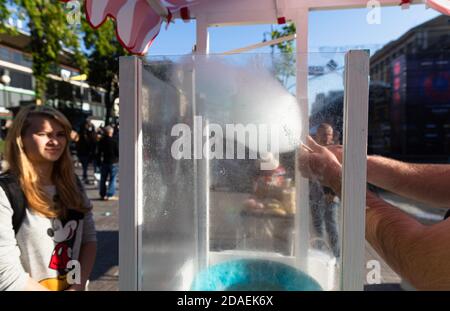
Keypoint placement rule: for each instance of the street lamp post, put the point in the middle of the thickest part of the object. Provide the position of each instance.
(5, 79)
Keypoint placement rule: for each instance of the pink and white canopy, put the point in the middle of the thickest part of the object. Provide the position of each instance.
(139, 21)
(442, 6)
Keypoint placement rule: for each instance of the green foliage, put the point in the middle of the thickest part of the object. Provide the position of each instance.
(284, 65)
(103, 66)
(50, 33)
(286, 30)
(4, 15)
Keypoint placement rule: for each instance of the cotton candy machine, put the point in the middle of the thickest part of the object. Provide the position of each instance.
(219, 202)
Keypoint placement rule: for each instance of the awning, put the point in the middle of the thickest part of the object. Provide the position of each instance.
(148, 15)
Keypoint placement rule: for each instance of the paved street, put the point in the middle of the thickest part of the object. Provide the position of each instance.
(105, 276)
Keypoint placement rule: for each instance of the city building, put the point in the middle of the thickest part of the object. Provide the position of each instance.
(409, 96)
(415, 69)
(67, 89)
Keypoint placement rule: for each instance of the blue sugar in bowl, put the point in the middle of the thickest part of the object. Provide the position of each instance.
(253, 275)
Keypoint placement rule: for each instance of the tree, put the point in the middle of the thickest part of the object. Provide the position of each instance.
(284, 66)
(50, 32)
(4, 15)
(104, 51)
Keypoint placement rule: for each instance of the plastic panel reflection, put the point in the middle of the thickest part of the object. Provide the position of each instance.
(220, 191)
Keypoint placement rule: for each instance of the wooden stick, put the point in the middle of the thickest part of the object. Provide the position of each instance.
(260, 45)
(307, 148)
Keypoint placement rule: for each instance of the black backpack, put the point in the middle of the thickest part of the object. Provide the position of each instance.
(16, 197)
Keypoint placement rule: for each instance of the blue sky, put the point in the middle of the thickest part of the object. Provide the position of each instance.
(326, 28)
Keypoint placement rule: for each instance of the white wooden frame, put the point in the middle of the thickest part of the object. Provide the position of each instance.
(130, 170)
(201, 166)
(353, 211)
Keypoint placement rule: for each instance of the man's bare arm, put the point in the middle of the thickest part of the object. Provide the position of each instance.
(427, 183)
(418, 253)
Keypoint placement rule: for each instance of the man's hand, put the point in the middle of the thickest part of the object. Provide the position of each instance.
(317, 162)
(337, 150)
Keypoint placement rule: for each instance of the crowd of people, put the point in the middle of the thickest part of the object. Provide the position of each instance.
(100, 148)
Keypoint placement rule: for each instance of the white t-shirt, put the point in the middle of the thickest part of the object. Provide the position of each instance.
(43, 248)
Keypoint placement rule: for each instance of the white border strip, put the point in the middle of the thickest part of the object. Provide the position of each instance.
(201, 166)
(356, 101)
(302, 216)
(130, 138)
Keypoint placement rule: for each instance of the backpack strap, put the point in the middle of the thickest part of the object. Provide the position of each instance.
(16, 198)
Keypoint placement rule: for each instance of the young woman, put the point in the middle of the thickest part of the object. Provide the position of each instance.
(55, 245)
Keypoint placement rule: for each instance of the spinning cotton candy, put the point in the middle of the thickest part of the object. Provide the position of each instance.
(250, 95)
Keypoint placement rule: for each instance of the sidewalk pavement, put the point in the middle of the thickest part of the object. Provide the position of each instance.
(105, 275)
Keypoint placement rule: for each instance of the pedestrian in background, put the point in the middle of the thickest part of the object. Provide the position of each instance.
(86, 146)
(108, 153)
